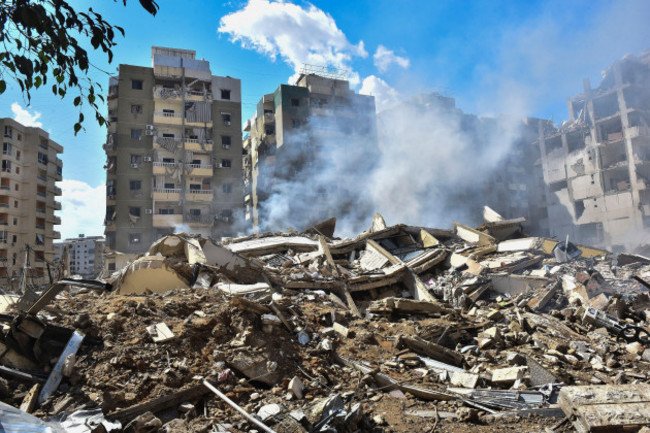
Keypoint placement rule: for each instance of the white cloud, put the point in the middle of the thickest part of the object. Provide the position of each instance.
(385, 96)
(82, 208)
(384, 57)
(298, 35)
(23, 116)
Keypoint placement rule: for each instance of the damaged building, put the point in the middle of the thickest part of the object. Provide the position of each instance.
(173, 151)
(291, 146)
(597, 164)
(28, 192)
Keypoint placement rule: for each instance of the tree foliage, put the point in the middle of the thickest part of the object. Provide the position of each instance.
(42, 43)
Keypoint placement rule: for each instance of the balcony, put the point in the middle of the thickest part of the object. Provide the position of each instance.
(199, 220)
(168, 118)
(198, 123)
(199, 195)
(198, 169)
(57, 205)
(164, 93)
(269, 118)
(167, 194)
(167, 220)
(197, 95)
(168, 143)
(56, 234)
(163, 167)
(57, 190)
(195, 145)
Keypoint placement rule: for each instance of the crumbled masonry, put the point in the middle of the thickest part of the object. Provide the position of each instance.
(400, 329)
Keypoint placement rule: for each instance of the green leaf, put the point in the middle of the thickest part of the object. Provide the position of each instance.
(91, 98)
(3, 86)
(77, 127)
(77, 101)
(37, 82)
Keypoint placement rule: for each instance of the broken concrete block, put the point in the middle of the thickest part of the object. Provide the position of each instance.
(466, 380)
(509, 375)
(269, 410)
(160, 333)
(341, 329)
(495, 315)
(296, 387)
(635, 348)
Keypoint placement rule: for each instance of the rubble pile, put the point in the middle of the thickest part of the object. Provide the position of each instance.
(401, 328)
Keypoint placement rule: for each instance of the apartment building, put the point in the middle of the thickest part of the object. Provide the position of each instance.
(597, 164)
(86, 254)
(173, 151)
(28, 175)
(297, 134)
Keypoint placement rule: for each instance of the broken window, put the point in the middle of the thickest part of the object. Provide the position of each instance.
(226, 163)
(136, 84)
(137, 109)
(135, 185)
(6, 148)
(8, 131)
(136, 134)
(225, 94)
(42, 158)
(39, 239)
(110, 187)
(134, 238)
(3, 237)
(225, 141)
(226, 188)
(295, 102)
(6, 166)
(135, 211)
(225, 117)
(136, 159)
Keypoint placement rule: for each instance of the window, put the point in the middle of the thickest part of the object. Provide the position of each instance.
(226, 163)
(16, 187)
(18, 155)
(14, 239)
(226, 214)
(42, 158)
(169, 211)
(225, 117)
(19, 136)
(136, 109)
(136, 84)
(195, 187)
(8, 131)
(59, 170)
(196, 162)
(168, 160)
(269, 130)
(227, 188)
(136, 134)
(6, 166)
(195, 212)
(295, 102)
(169, 186)
(225, 141)
(134, 238)
(225, 94)
(135, 211)
(6, 148)
(15, 221)
(135, 185)
(16, 204)
(167, 135)
(17, 170)
(136, 159)
(3, 237)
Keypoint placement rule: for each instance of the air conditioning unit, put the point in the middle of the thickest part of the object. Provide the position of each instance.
(149, 131)
(149, 127)
(147, 159)
(226, 122)
(134, 165)
(148, 211)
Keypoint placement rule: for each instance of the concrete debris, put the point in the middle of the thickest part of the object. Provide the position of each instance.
(304, 332)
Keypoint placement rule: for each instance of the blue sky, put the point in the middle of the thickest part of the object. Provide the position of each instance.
(513, 57)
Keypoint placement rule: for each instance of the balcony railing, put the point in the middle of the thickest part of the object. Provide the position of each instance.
(196, 140)
(208, 166)
(167, 190)
(167, 114)
(199, 191)
(164, 164)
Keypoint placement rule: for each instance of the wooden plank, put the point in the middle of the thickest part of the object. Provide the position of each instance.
(158, 404)
(29, 402)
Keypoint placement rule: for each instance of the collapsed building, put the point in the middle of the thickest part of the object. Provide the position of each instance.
(597, 164)
(400, 328)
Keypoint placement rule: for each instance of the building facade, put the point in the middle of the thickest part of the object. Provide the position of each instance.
(86, 254)
(29, 172)
(597, 164)
(173, 151)
(296, 138)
